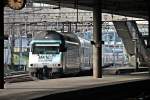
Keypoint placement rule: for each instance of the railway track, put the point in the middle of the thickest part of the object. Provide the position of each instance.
(23, 77)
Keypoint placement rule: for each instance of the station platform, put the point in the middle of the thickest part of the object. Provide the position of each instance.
(110, 86)
(123, 70)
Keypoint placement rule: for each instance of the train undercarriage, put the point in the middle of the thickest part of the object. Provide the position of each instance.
(46, 73)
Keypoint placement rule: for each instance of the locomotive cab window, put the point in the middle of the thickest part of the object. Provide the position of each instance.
(45, 49)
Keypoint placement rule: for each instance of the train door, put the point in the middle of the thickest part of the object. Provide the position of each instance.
(72, 58)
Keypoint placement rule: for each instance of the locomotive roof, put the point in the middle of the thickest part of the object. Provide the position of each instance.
(64, 36)
(47, 35)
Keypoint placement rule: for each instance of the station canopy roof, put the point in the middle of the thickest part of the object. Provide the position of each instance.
(133, 8)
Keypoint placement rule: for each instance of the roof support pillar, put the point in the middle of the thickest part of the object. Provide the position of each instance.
(148, 41)
(97, 38)
(2, 49)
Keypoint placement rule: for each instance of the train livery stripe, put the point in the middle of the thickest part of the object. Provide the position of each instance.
(72, 42)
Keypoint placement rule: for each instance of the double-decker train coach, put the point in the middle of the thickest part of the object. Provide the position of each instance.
(58, 54)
